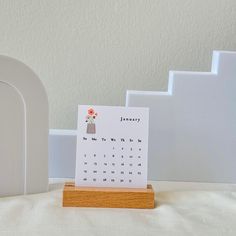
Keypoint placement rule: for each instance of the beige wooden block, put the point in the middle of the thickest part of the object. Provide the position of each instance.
(108, 197)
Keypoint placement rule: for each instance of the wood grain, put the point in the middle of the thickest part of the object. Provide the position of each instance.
(108, 197)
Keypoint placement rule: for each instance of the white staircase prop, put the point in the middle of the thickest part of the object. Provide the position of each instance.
(193, 124)
(62, 153)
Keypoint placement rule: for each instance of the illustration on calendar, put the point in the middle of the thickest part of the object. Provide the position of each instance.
(90, 119)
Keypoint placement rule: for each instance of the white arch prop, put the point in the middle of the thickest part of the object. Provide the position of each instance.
(23, 130)
(193, 124)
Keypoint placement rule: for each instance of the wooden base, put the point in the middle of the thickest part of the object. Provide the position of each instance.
(108, 197)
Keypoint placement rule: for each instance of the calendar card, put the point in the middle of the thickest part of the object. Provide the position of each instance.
(112, 146)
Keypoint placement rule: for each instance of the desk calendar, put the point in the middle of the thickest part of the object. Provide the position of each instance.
(112, 147)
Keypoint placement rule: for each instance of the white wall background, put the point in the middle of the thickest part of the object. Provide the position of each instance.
(90, 52)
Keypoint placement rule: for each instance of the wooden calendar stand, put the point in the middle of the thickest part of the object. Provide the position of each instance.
(108, 197)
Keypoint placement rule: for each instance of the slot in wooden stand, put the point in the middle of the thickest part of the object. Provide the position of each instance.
(108, 197)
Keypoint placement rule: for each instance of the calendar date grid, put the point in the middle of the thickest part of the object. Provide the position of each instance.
(120, 161)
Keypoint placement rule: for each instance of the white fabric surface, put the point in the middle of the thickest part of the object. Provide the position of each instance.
(191, 212)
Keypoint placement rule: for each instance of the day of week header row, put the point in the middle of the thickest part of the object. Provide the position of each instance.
(112, 139)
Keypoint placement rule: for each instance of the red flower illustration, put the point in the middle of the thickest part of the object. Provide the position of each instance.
(91, 111)
(91, 116)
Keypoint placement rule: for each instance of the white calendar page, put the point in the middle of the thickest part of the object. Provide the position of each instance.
(112, 146)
